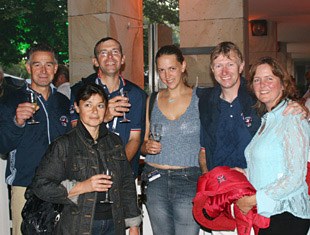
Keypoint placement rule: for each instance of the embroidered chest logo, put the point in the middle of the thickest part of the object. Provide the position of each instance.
(64, 121)
(247, 120)
(72, 110)
(221, 179)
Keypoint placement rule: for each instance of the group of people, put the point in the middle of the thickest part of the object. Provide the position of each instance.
(228, 123)
(101, 142)
(266, 137)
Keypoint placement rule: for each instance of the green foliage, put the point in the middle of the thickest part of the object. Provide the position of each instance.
(25, 22)
(162, 11)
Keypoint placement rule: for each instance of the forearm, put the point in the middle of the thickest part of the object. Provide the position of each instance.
(203, 161)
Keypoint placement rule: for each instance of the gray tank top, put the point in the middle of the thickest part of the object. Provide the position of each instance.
(180, 138)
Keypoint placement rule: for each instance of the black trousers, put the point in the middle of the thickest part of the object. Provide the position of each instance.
(286, 224)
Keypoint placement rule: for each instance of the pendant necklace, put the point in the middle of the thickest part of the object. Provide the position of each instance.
(171, 100)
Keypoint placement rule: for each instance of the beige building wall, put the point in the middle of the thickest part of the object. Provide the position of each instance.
(268, 45)
(91, 20)
(205, 23)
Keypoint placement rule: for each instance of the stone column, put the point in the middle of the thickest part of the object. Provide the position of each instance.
(204, 24)
(91, 20)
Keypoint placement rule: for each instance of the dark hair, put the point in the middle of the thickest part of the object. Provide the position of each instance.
(40, 47)
(289, 91)
(172, 50)
(102, 40)
(62, 70)
(87, 90)
(225, 48)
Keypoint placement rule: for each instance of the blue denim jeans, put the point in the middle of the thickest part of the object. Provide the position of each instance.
(169, 201)
(103, 227)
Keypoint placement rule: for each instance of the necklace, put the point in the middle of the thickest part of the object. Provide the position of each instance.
(171, 100)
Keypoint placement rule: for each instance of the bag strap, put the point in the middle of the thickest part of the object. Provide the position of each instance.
(151, 103)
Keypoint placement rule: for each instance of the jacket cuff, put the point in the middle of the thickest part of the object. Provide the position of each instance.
(133, 222)
(16, 124)
(265, 204)
(69, 185)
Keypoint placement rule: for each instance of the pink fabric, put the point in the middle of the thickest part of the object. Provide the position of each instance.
(216, 191)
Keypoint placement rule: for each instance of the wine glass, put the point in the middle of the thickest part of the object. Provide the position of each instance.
(124, 94)
(107, 195)
(157, 131)
(32, 98)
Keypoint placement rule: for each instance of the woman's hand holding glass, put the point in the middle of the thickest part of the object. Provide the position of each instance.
(97, 183)
(152, 146)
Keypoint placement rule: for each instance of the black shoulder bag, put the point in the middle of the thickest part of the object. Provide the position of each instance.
(39, 216)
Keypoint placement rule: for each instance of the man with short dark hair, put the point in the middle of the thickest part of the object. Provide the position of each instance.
(26, 143)
(108, 61)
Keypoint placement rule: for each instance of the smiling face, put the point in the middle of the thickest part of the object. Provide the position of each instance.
(227, 70)
(267, 87)
(170, 70)
(91, 111)
(109, 58)
(42, 68)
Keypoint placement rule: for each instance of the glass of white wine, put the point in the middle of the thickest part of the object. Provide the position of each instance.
(32, 98)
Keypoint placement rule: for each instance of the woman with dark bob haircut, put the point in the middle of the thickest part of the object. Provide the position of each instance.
(72, 173)
(277, 155)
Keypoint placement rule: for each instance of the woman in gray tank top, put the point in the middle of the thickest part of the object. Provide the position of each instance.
(172, 169)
